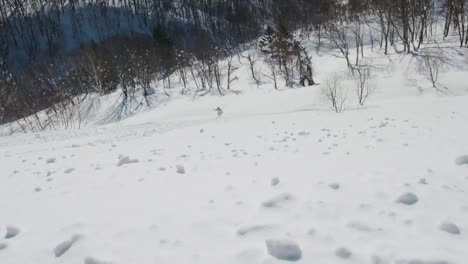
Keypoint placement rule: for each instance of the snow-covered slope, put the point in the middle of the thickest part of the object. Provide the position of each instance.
(279, 177)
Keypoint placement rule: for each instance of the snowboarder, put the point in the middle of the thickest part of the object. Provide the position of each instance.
(220, 112)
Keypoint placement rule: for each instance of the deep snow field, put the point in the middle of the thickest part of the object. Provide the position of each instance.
(279, 177)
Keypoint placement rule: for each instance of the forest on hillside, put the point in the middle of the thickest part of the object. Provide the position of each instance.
(53, 52)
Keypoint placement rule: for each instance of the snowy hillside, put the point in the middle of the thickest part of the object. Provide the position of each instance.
(278, 177)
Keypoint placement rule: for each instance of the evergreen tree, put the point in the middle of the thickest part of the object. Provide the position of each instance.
(266, 41)
(161, 37)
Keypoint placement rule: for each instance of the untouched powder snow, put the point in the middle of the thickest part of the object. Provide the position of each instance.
(277, 178)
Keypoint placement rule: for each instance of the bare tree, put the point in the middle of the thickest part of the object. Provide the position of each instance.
(146, 63)
(218, 75)
(252, 58)
(183, 60)
(230, 71)
(429, 66)
(361, 75)
(337, 34)
(357, 31)
(335, 93)
(273, 76)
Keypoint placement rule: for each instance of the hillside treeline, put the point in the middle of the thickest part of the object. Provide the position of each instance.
(52, 51)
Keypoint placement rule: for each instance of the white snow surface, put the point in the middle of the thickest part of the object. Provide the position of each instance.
(337, 176)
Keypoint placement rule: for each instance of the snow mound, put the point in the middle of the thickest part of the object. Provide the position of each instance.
(275, 181)
(12, 231)
(247, 230)
(462, 160)
(69, 170)
(278, 201)
(180, 169)
(360, 226)
(250, 255)
(343, 253)
(408, 198)
(51, 160)
(284, 249)
(3, 246)
(450, 228)
(91, 260)
(126, 160)
(63, 247)
(420, 261)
